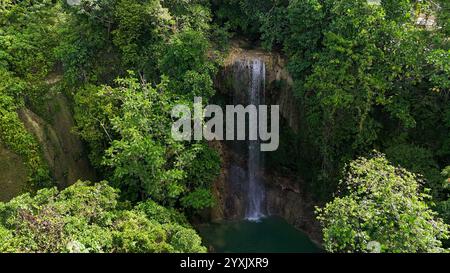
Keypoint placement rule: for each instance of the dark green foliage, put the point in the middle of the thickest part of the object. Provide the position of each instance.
(444, 16)
(142, 28)
(186, 63)
(363, 76)
(289, 149)
(245, 17)
(27, 36)
(397, 10)
(419, 161)
(87, 52)
(190, 14)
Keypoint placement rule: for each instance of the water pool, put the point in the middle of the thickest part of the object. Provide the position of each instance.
(271, 234)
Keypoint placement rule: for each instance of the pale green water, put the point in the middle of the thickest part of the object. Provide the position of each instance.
(269, 235)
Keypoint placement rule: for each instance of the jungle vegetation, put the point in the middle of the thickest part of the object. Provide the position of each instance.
(366, 76)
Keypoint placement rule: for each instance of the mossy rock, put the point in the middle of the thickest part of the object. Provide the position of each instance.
(13, 174)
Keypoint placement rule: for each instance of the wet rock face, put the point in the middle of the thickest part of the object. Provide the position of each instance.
(285, 195)
(287, 198)
(13, 174)
(235, 203)
(62, 149)
(228, 188)
(278, 81)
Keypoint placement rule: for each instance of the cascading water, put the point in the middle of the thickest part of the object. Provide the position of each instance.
(255, 188)
(252, 73)
(244, 195)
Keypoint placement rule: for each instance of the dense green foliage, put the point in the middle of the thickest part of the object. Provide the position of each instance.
(89, 218)
(27, 36)
(125, 64)
(383, 204)
(126, 121)
(105, 38)
(132, 123)
(365, 76)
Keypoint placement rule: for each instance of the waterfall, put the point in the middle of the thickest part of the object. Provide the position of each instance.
(251, 73)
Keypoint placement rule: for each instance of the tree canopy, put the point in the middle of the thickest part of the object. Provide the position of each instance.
(365, 76)
(381, 204)
(88, 217)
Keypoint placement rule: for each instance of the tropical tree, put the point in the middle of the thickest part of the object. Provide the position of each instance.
(130, 128)
(380, 206)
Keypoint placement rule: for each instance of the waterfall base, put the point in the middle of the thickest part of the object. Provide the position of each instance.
(255, 218)
(269, 235)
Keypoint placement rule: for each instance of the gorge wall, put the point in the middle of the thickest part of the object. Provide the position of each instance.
(285, 194)
(61, 148)
(278, 81)
(13, 174)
